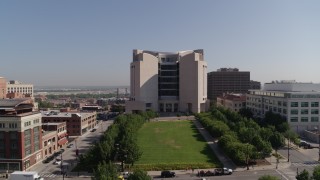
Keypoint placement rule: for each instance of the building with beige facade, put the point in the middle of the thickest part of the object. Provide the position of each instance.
(168, 82)
(18, 87)
(3, 88)
(54, 137)
(232, 101)
(297, 102)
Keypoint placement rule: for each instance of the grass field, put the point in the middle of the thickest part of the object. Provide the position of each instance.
(173, 145)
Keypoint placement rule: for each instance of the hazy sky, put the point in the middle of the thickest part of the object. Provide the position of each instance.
(86, 42)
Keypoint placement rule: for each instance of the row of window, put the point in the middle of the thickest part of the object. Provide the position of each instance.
(304, 111)
(304, 119)
(10, 125)
(26, 124)
(13, 155)
(13, 135)
(304, 104)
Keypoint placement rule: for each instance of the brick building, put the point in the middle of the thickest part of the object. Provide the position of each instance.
(77, 122)
(49, 143)
(3, 88)
(20, 135)
(54, 137)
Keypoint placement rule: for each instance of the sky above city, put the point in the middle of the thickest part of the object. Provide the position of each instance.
(90, 43)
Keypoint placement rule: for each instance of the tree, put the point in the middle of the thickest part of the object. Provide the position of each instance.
(139, 175)
(304, 175)
(268, 177)
(316, 173)
(277, 140)
(246, 112)
(105, 171)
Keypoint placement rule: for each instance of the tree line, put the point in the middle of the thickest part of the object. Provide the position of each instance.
(117, 144)
(244, 139)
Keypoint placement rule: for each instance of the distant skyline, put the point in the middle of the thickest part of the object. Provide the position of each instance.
(90, 43)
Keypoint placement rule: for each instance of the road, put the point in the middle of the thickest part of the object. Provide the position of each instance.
(242, 175)
(301, 159)
(83, 143)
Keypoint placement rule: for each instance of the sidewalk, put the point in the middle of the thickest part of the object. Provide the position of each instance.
(227, 162)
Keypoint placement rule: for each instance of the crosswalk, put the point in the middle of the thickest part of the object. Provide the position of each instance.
(49, 175)
(307, 163)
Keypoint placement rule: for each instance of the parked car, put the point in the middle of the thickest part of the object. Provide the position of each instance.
(47, 160)
(58, 162)
(57, 153)
(166, 174)
(70, 146)
(223, 171)
(305, 145)
(206, 173)
(93, 130)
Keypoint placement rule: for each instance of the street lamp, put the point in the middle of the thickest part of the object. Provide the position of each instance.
(288, 146)
(247, 156)
(61, 166)
(317, 130)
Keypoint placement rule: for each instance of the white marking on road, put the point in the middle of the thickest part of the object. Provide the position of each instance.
(281, 174)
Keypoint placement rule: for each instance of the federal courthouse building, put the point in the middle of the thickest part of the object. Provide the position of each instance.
(168, 82)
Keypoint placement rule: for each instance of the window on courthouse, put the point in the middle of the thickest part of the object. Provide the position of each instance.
(314, 104)
(304, 119)
(294, 119)
(314, 119)
(294, 111)
(294, 104)
(304, 111)
(304, 104)
(314, 111)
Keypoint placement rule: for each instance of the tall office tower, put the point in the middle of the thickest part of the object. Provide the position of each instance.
(227, 80)
(3, 88)
(18, 87)
(168, 82)
(20, 135)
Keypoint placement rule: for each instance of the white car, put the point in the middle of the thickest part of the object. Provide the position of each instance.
(57, 162)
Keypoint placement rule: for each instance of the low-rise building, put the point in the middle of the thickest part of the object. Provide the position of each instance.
(56, 139)
(297, 102)
(232, 101)
(20, 135)
(78, 123)
(49, 143)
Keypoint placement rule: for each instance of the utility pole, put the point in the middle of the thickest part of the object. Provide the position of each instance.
(319, 143)
(61, 166)
(247, 156)
(288, 147)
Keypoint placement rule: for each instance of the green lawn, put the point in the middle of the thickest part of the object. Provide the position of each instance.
(173, 145)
